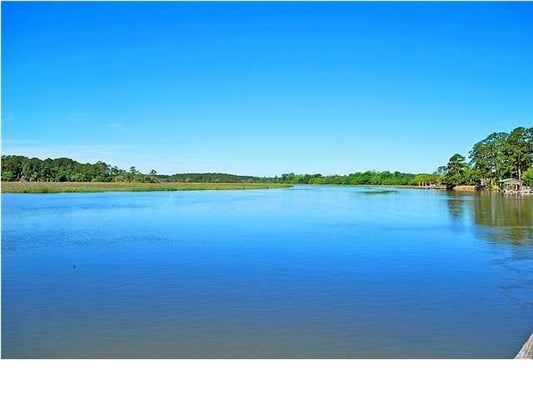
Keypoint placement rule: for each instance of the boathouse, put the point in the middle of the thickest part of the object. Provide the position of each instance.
(511, 185)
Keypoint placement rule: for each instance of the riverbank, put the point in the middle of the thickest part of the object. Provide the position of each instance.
(464, 188)
(83, 187)
(460, 188)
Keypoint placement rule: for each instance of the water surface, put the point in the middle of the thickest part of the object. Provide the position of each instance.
(312, 271)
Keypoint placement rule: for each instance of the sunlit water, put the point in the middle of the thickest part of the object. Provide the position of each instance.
(312, 271)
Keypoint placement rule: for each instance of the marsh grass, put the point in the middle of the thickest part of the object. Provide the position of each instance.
(79, 187)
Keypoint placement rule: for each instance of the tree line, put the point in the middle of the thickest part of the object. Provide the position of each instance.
(356, 178)
(499, 156)
(208, 177)
(20, 168)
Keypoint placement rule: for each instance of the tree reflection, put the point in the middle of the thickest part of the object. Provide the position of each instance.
(506, 221)
(456, 207)
(511, 218)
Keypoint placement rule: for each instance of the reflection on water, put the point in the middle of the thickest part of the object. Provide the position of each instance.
(503, 220)
(500, 219)
(512, 216)
(308, 272)
(456, 207)
(378, 191)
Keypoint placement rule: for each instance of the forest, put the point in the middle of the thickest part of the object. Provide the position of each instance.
(20, 168)
(500, 155)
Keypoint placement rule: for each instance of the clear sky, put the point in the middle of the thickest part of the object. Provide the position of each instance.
(263, 88)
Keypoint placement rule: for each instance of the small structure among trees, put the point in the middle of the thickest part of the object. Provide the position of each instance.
(495, 160)
(428, 181)
(511, 185)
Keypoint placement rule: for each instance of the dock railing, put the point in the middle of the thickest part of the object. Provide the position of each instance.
(527, 349)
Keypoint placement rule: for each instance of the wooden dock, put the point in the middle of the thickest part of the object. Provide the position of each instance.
(527, 349)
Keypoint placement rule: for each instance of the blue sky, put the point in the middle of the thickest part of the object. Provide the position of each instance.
(263, 88)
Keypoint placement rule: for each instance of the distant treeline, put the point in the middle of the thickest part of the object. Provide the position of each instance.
(209, 177)
(499, 156)
(20, 168)
(357, 178)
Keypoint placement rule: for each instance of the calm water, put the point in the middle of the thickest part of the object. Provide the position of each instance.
(304, 272)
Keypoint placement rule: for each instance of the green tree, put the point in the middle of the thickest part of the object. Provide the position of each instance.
(488, 158)
(528, 177)
(7, 176)
(518, 150)
(455, 171)
(425, 179)
(440, 171)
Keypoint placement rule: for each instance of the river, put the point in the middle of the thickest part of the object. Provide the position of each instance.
(304, 272)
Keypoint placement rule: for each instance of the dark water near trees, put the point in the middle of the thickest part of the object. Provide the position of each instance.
(303, 272)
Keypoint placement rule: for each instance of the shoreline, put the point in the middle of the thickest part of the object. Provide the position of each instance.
(95, 187)
(461, 188)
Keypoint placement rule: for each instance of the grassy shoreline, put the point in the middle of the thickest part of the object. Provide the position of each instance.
(90, 187)
(93, 187)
